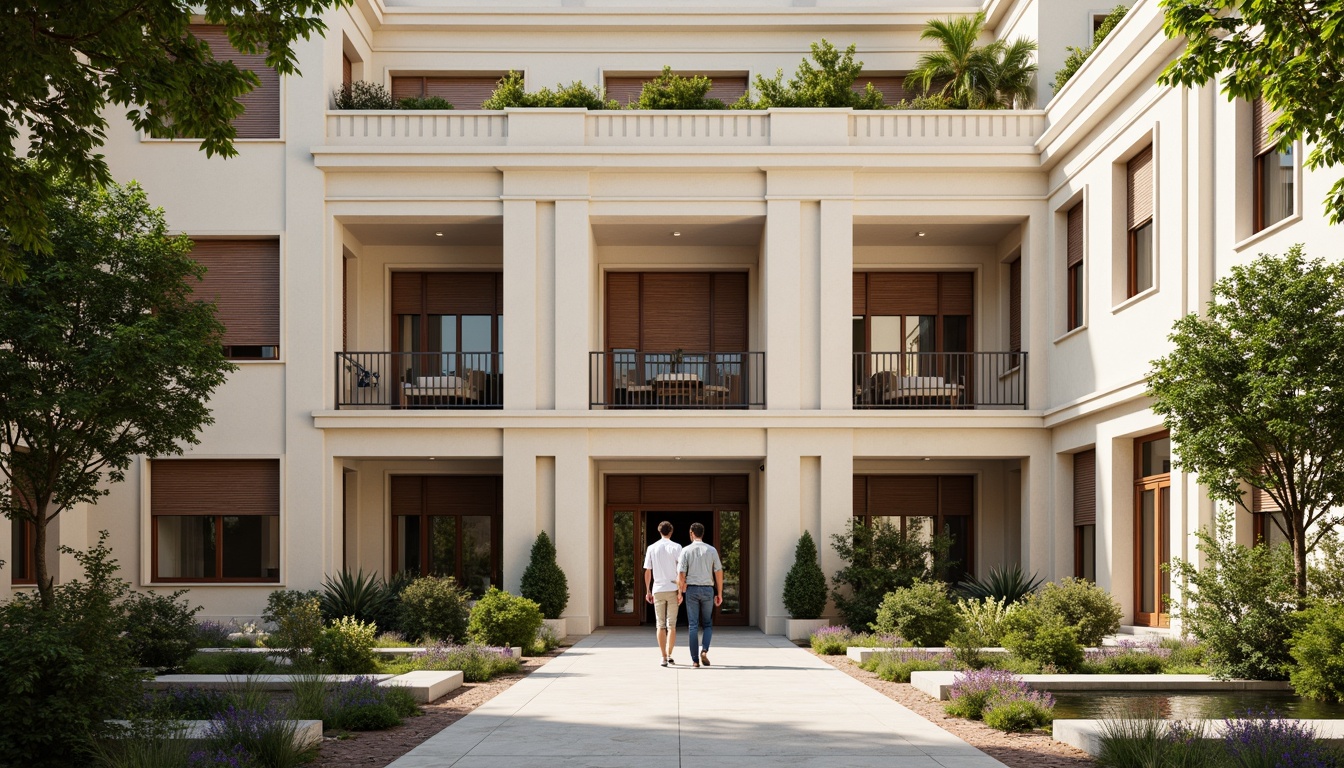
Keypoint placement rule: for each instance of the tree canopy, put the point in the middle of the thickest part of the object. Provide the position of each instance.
(1254, 393)
(104, 354)
(1288, 52)
(68, 62)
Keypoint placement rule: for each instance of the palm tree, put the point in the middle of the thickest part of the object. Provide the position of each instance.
(974, 76)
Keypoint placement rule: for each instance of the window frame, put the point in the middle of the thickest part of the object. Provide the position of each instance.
(1161, 545)
(219, 516)
(424, 516)
(1132, 287)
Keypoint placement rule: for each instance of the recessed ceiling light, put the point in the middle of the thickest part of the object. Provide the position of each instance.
(921, 233)
(678, 458)
(676, 234)
(926, 458)
(432, 458)
(440, 234)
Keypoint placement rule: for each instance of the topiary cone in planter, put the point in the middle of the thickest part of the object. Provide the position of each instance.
(544, 582)
(805, 586)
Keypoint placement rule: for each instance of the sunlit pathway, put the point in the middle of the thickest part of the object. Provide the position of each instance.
(764, 702)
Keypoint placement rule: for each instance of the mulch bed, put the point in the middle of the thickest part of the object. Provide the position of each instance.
(1016, 750)
(370, 749)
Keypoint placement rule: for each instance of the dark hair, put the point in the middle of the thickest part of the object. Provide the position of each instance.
(698, 529)
(665, 528)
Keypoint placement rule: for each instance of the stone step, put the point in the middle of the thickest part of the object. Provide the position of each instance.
(424, 685)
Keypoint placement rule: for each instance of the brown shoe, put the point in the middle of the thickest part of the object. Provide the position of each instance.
(704, 658)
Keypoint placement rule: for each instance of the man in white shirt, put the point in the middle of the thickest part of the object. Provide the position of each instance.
(660, 588)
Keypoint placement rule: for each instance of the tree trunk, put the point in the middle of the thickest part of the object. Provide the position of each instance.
(1299, 560)
(45, 584)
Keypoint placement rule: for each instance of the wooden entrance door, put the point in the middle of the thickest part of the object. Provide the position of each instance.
(1152, 546)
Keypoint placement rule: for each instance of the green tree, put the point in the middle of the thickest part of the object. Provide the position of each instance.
(880, 558)
(104, 355)
(805, 584)
(974, 76)
(1079, 55)
(1254, 393)
(510, 92)
(543, 580)
(672, 91)
(70, 62)
(1288, 52)
(828, 84)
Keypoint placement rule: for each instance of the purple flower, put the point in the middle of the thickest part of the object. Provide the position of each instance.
(235, 757)
(1265, 739)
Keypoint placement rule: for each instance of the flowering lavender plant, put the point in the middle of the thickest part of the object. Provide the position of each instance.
(234, 757)
(897, 664)
(212, 634)
(978, 690)
(1265, 740)
(262, 733)
(188, 703)
(477, 663)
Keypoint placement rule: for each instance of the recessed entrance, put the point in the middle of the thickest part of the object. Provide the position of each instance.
(635, 506)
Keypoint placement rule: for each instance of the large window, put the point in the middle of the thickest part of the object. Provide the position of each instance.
(1085, 515)
(922, 506)
(1139, 186)
(1152, 544)
(1074, 267)
(448, 525)
(912, 330)
(215, 519)
(243, 279)
(1273, 171)
(448, 327)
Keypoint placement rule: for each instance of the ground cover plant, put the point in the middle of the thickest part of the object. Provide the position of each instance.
(363, 705)
(832, 641)
(897, 664)
(478, 663)
(1001, 699)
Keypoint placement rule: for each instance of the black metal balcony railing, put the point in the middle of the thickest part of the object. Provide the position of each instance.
(940, 380)
(419, 380)
(628, 378)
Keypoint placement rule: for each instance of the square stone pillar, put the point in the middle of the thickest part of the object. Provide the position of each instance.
(836, 285)
(520, 305)
(780, 289)
(573, 281)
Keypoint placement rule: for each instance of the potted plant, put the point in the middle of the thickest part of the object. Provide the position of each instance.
(805, 591)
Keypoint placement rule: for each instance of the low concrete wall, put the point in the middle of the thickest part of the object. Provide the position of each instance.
(939, 684)
(306, 732)
(1086, 734)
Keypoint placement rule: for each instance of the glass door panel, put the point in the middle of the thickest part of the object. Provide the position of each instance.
(729, 531)
(408, 543)
(1164, 504)
(622, 586)
(477, 567)
(958, 529)
(1147, 551)
(443, 546)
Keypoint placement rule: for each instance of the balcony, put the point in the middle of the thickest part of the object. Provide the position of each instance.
(420, 380)
(633, 379)
(945, 380)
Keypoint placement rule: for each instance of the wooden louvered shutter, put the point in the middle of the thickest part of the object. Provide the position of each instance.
(956, 495)
(407, 293)
(955, 293)
(860, 293)
(345, 304)
(902, 293)
(231, 487)
(347, 72)
(730, 489)
(625, 90)
(1085, 488)
(674, 311)
(461, 92)
(860, 495)
(407, 88)
(891, 87)
(499, 293)
(728, 89)
(1261, 116)
(676, 489)
(730, 312)
(1075, 236)
(1261, 501)
(1140, 187)
(460, 293)
(243, 279)
(464, 494)
(407, 494)
(622, 310)
(903, 495)
(622, 489)
(1015, 306)
(261, 106)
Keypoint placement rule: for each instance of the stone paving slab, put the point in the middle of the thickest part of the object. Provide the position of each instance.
(763, 702)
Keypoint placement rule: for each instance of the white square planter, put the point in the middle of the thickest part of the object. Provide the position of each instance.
(802, 629)
(559, 626)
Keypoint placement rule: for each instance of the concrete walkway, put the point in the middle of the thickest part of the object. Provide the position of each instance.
(606, 703)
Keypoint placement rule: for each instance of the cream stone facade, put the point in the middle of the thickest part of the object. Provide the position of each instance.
(797, 200)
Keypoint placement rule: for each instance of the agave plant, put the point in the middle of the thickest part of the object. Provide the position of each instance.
(1006, 585)
(363, 596)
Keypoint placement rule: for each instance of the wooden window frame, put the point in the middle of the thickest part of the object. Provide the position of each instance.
(1132, 266)
(1161, 545)
(1258, 181)
(1073, 267)
(1079, 539)
(867, 516)
(424, 516)
(28, 577)
(219, 516)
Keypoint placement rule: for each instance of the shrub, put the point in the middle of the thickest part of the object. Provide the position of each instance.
(185, 703)
(977, 690)
(1018, 715)
(226, 663)
(478, 663)
(1077, 56)
(1042, 639)
(896, 665)
(162, 631)
(1325, 572)
(65, 671)
(828, 84)
(672, 91)
(547, 640)
(296, 620)
(1004, 585)
(212, 634)
(502, 619)
(922, 613)
(830, 641)
(346, 647)
(928, 101)
(880, 558)
(428, 102)
(1082, 605)
(363, 705)
(362, 95)
(144, 745)
(983, 619)
(1265, 740)
(1241, 605)
(265, 735)
(434, 607)
(1184, 656)
(1319, 673)
(805, 584)
(511, 93)
(1124, 660)
(363, 597)
(543, 581)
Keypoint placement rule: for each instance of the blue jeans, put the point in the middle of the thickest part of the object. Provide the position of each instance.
(700, 614)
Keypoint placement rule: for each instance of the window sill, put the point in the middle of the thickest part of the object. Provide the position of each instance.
(1267, 232)
(1070, 333)
(254, 361)
(184, 140)
(1132, 300)
(195, 584)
